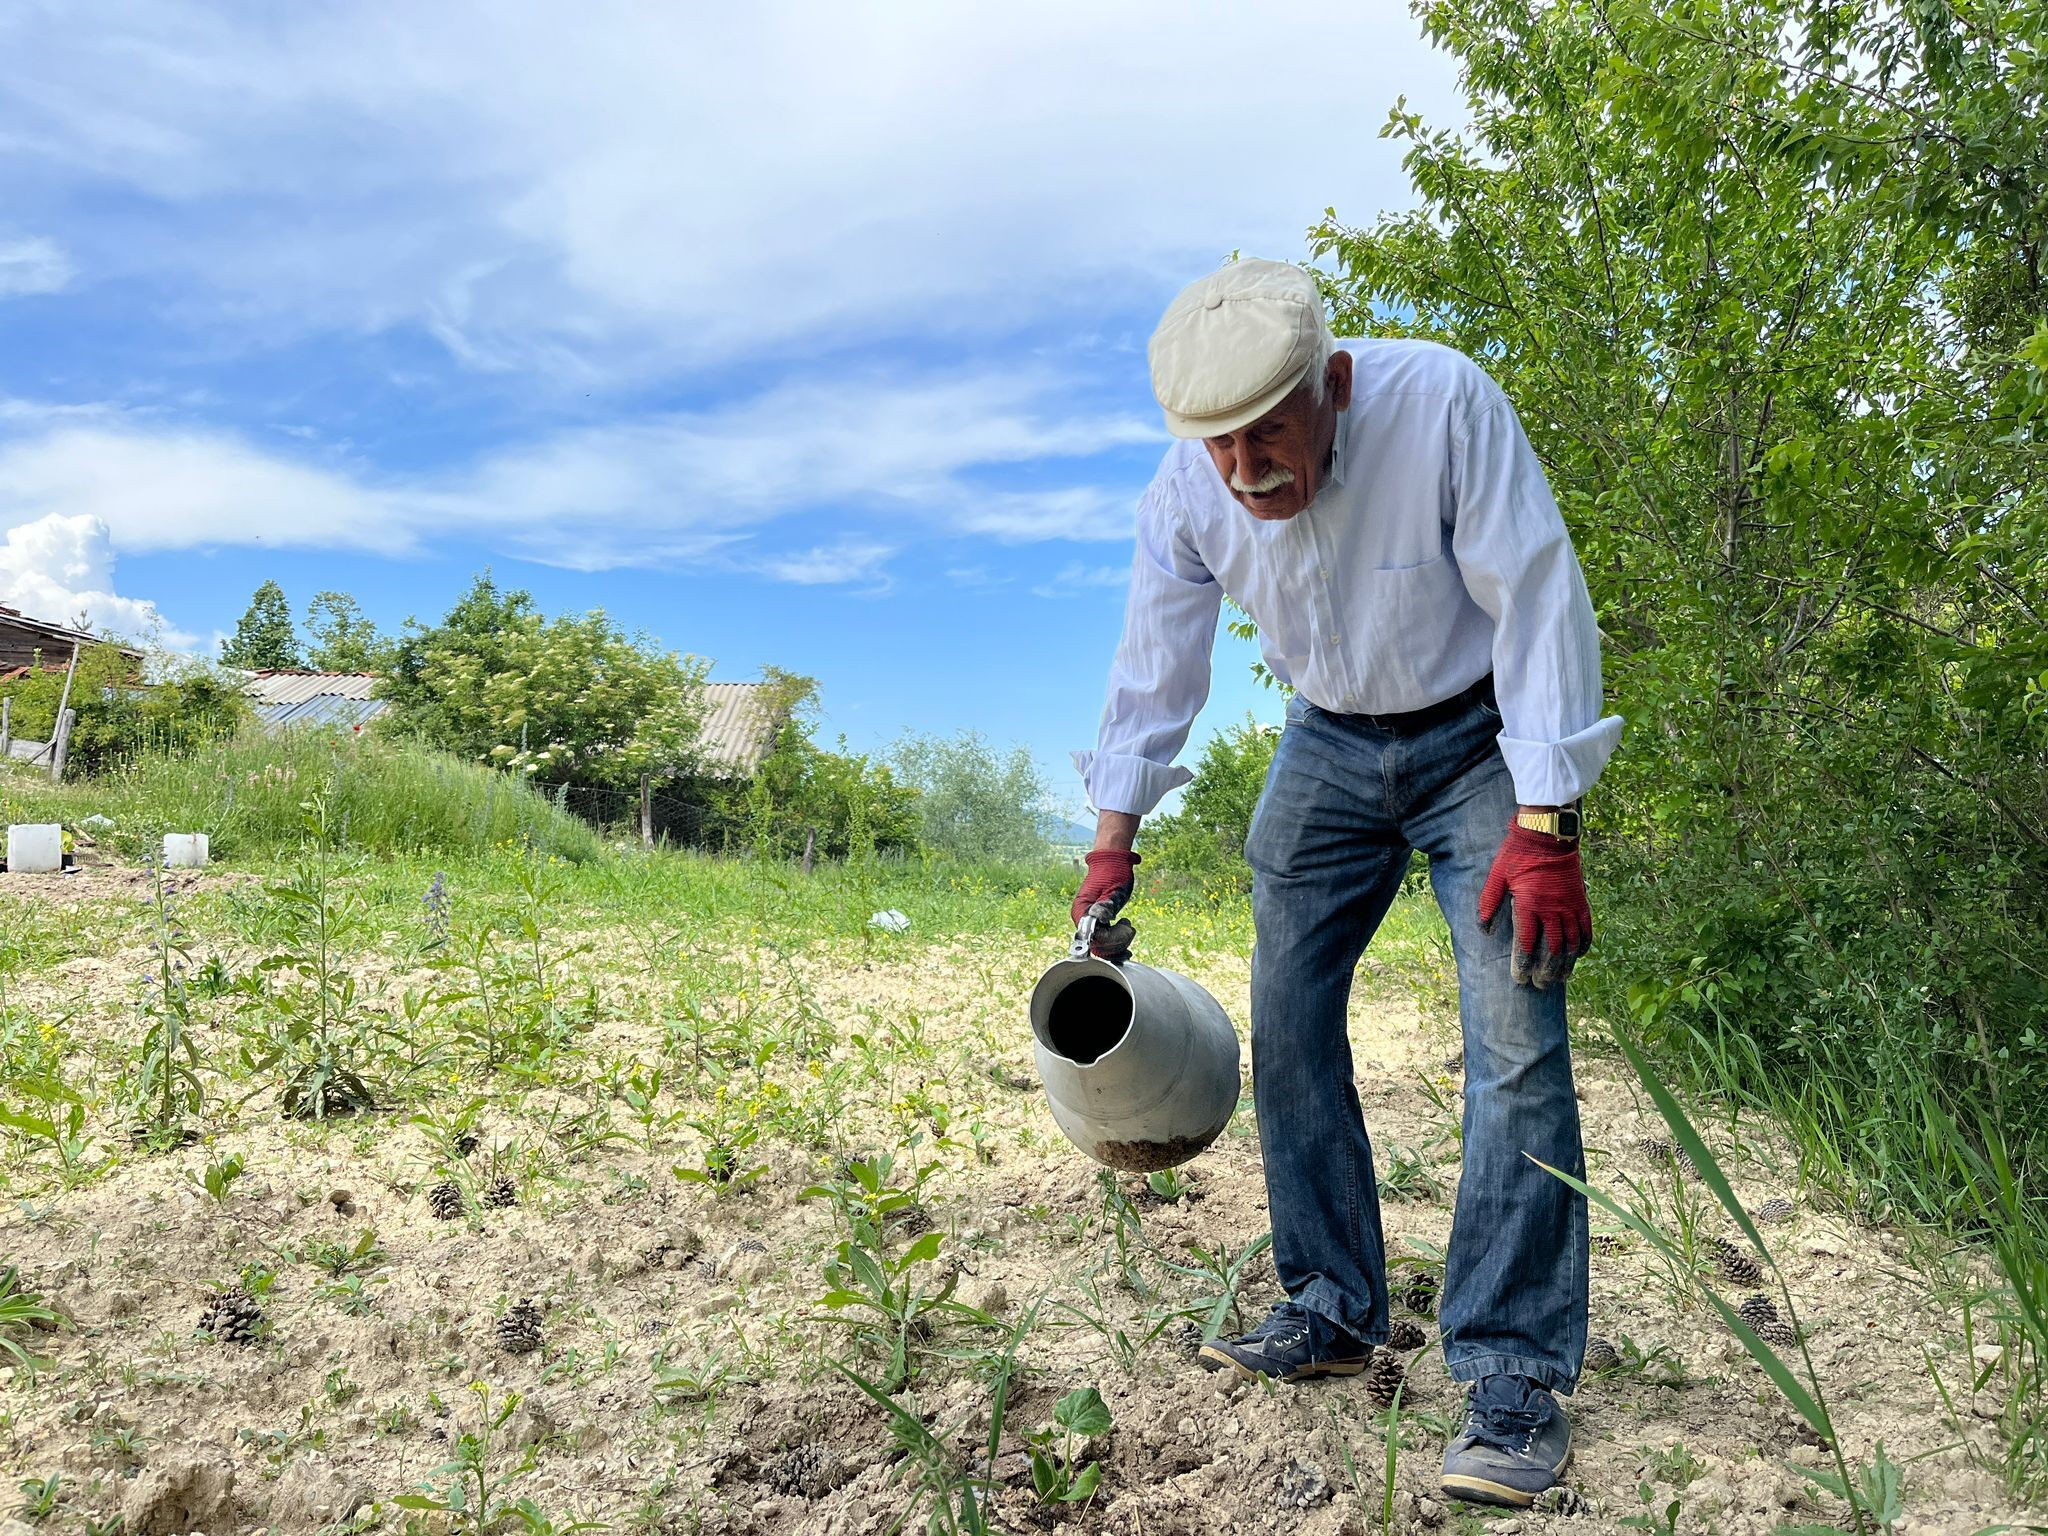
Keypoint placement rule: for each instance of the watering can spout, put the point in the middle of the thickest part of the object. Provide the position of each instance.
(1140, 1064)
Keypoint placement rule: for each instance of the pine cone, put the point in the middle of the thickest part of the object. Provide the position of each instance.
(467, 1142)
(445, 1200)
(1383, 1379)
(909, 1220)
(1606, 1244)
(518, 1331)
(1301, 1486)
(1419, 1296)
(1736, 1262)
(501, 1192)
(1655, 1149)
(232, 1316)
(1404, 1335)
(1774, 1210)
(804, 1471)
(1600, 1356)
(1761, 1313)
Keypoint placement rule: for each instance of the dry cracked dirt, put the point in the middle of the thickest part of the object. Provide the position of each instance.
(682, 1380)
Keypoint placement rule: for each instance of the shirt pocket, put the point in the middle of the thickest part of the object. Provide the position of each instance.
(1411, 610)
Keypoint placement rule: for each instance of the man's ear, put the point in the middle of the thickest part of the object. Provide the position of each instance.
(1337, 381)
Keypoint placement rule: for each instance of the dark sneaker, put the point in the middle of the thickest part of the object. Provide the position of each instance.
(1292, 1344)
(1515, 1444)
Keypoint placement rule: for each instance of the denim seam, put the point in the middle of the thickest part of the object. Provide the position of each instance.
(1472, 1367)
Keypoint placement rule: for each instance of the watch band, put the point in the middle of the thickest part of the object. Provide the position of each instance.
(1564, 823)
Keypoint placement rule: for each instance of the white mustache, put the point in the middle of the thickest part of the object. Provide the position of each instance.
(1273, 480)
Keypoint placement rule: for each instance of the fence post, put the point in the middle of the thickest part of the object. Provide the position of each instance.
(59, 743)
(6, 730)
(810, 843)
(646, 814)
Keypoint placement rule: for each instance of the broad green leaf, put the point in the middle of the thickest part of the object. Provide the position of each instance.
(1083, 1412)
(1084, 1485)
(923, 1251)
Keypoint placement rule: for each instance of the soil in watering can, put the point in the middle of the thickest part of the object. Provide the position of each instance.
(1088, 1019)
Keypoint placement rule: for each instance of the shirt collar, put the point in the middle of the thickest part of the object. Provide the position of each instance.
(1337, 447)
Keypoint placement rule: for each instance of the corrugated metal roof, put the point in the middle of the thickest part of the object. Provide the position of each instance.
(297, 687)
(738, 727)
(738, 724)
(324, 709)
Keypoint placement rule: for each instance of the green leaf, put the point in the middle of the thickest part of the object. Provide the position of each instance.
(1044, 1475)
(1083, 1412)
(923, 1251)
(1084, 1485)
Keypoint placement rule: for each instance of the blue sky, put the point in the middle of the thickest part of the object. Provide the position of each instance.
(810, 336)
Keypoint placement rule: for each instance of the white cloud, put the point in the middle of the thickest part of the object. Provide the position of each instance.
(903, 457)
(32, 265)
(153, 488)
(1076, 578)
(842, 563)
(62, 569)
(645, 184)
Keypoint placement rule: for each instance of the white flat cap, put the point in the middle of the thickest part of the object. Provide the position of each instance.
(1234, 345)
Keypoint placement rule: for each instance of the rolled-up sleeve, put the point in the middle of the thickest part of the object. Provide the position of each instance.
(1517, 562)
(1160, 677)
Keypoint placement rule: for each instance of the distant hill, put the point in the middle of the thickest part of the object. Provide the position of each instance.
(1062, 833)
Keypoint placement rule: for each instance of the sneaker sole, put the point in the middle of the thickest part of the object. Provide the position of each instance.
(1480, 1490)
(1216, 1359)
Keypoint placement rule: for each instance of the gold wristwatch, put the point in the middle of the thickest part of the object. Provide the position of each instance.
(1563, 823)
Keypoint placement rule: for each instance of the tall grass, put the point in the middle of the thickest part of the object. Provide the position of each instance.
(245, 793)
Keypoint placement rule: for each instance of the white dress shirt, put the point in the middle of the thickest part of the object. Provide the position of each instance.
(1433, 554)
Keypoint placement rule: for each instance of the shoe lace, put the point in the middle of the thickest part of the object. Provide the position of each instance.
(1284, 1317)
(1510, 1429)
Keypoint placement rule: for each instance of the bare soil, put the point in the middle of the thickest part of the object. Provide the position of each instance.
(334, 1412)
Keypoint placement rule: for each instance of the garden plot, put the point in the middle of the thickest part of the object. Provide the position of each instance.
(646, 1221)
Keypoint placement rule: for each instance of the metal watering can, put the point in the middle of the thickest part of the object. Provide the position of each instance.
(1141, 1065)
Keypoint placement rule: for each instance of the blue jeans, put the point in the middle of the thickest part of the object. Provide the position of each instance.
(1346, 800)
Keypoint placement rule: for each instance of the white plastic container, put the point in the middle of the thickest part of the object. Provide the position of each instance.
(184, 850)
(35, 849)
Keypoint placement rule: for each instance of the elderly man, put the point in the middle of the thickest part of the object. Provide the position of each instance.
(1376, 508)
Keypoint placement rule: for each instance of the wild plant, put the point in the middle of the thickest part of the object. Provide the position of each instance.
(351, 1293)
(1863, 1490)
(454, 1134)
(1169, 1185)
(1221, 1275)
(1057, 1475)
(1123, 1348)
(219, 1177)
(954, 1501)
(726, 1134)
(318, 1035)
(1127, 1245)
(1408, 1179)
(867, 1195)
(471, 1487)
(344, 1258)
(167, 1089)
(58, 1119)
(885, 1298)
(20, 1311)
(642, 1093)
(39, 1496)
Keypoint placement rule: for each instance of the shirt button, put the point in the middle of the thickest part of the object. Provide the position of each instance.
(1336, 639)
(1323, 571)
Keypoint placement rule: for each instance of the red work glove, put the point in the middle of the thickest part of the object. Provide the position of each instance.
(1540, 878)
(1112, 874)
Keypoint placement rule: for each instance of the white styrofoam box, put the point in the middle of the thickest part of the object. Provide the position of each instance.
(184, 850)
(35, 849)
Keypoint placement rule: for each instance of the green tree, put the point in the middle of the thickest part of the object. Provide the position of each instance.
(263, 640)
(118, 714)
(974, 802)
(806, 796)
(1730, 262)
(340, 638)
(1202, 843)
(570, 700)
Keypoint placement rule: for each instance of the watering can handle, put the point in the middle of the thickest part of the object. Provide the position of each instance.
(1084, 935)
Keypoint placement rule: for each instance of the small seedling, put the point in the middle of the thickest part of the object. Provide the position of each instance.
(39, 1495)
(1055, 1476)
(220, 1176)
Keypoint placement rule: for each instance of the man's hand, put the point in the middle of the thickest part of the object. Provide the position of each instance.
(1540, 878)
(1112, 874)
